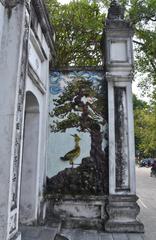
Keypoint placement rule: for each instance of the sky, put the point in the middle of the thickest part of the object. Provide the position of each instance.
(64, 1)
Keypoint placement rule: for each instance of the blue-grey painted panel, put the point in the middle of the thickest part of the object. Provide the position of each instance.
(77, 119)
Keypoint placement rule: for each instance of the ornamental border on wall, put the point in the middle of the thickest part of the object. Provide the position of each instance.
(13, 221)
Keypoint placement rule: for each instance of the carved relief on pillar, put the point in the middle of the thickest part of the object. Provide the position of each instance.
(121, 139)
(2, 2)
(12, 3)
(115, 11)
(13, 221)
(122, 208)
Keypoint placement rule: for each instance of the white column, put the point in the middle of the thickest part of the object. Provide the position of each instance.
(121, 160)
(13, 62)
(122, 207)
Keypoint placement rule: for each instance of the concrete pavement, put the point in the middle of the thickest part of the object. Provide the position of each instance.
(146, 191)
(45, 233)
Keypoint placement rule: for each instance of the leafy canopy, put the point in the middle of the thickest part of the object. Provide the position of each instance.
(78, 26)
(145, 130)
(143, 17)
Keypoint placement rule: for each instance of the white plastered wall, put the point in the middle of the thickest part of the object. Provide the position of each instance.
(10, 57)
(11, 49)
(40, 92)
(119, 62)
(1, 20)
(130, 122)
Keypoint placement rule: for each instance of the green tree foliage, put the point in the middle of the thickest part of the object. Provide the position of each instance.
(142, 14)
(145, 130)
(78, 26)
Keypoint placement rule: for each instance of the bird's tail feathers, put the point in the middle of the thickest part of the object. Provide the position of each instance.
(64, 159)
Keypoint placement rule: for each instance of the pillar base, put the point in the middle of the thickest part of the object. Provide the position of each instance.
(17, 236)
(122, 213)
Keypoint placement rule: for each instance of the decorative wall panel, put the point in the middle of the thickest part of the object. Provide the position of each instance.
(121, 139)
(77, 156)
(13, 219)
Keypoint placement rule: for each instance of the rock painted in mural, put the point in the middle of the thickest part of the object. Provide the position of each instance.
(78, 162)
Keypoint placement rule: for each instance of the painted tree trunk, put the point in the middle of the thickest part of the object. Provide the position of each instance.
(99, 156)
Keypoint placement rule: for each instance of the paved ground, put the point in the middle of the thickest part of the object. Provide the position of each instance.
(44, 233)
(146, 190)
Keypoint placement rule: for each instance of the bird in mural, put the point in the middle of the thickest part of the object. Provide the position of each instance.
(74, 153)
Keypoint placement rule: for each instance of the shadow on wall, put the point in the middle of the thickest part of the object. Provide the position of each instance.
(29, 196)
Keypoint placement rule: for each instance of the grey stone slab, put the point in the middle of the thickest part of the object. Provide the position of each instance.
(133, 236)
(48, 234)
(105, 236)
(60, 237)
(150, 236)
(91, 235)
(67, 233)
(77, 234)
(37, 233)
(30, 232)
(120, 236)
(146, 190)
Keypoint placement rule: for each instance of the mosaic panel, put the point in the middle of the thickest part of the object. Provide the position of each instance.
(77, 155)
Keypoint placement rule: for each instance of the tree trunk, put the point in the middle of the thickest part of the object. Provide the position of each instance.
(100, 158)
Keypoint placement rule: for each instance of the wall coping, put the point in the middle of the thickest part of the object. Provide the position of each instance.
(43, 18)
(75, 68)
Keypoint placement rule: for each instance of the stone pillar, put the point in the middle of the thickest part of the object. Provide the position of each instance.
(118, 56)
(13, 69)
(26, 46)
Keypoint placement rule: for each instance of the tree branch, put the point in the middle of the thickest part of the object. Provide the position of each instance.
(139, 43)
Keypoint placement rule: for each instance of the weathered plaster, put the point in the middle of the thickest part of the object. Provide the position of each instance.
(2, 10)
(30, 160)
(121, 139)
(10, 72)
(119, 76)
(14, 69)
(2, 2)
(122, 208)
(10, 4)
(122, 211)
(47, 29)
(87, 212)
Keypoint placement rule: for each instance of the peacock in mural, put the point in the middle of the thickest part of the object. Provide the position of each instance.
(74, 153)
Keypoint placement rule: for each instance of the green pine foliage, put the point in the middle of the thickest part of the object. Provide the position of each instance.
(70, 111)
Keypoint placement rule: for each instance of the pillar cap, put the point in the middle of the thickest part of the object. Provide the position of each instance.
(115, 11)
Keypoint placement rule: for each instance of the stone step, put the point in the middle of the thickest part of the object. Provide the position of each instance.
(76, 223)
(37, 233)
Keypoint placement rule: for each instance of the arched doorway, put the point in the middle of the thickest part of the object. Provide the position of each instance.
(28, 197)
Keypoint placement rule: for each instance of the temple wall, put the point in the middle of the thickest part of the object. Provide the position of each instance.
(25, 52)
